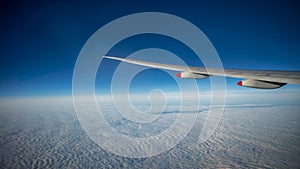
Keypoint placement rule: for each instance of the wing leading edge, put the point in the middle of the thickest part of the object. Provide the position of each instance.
(265, 79)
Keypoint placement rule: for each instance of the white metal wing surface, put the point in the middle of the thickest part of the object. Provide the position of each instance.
(263, 79)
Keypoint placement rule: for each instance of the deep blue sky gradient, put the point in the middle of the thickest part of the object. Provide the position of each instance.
(40, 40)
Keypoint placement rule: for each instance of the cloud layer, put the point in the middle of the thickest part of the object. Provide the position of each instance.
(45, 133)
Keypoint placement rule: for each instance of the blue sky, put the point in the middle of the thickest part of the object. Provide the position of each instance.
(41, 40)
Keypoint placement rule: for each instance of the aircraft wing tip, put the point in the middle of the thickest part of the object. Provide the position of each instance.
(109, 57)
(114, 58)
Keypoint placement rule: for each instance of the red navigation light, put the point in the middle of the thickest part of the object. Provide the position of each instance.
(240, 83)
(178, 74)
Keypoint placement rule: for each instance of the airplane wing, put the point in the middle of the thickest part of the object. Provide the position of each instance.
(262, 79)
